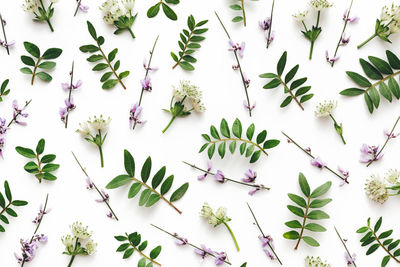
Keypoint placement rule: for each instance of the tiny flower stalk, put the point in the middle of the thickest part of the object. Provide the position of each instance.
(37, 8)
(69, 105)
(5, 43)
(386, 25)
(80, 6)
(90, 185)
(188, 98)
(203, 251)
(217, 218)
(267, 240)
(350, 258)
(238, 50)
(136, 111)
(324, 110)
(316, 161)
(266, 26)
(220, 177)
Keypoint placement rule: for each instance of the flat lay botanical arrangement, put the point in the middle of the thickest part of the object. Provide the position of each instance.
(199, 133)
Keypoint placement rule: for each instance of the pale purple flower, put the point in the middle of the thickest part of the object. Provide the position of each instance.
(109, 215)
(308, 149)
(220, 257)
(135, 113)
(330, 60)
(40, 215)
(317, 162)
(65, 110)
(369, 153)
(349, 19)
(1, 145)
(203, 251)
(65, 86)
(350, 259)
(344, 172)
(250, 176)
(148, 68)
(237, 48)
(235, 67)
(219, 176)
(83, 7)
(345, 39)
(89, 184)
(28, 248)
(181, 241)
(271, 37)
(246, 106)
(105, 197)
(18, 112)
(265, 241)
(204, 175)
(146, 84)
(393, 135)
(3, 127)
(8, 44)
(246, 80)
(265, 24)
(253, 191)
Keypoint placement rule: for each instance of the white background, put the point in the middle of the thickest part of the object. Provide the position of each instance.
(223, 97)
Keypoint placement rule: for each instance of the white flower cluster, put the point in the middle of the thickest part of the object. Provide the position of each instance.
(316, 262)
(376, 188)
(320, 4)
(390, 16)
(96, 124)
(325, 109)
(80, 234)
(190, 93)
(300, 16)
(32, 5)
(113, 9)
(214, 219)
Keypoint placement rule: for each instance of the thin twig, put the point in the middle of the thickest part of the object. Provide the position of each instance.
(344, 244)
(4, 33)
(18, 113)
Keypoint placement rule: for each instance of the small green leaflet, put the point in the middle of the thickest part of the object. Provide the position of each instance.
(153, 10)
(3, 89)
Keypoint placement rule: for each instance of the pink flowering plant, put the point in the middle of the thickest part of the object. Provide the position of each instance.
(4, 43)
(69, 103)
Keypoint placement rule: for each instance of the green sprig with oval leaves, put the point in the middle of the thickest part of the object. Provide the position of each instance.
(149, 196)
(3, 89)
(108, 83)
(40, 63)
(189, 43)
(164, 4)
(295, 89)
(384, 73)
(306, 209)
(6, 205)
(133, 243)
(383, 240)
(247, 146)
(240, 8)
(43, 167)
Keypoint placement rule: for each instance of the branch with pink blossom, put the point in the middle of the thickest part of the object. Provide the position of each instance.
(219, 176)
(5, 43)
(69, 105)
(80, 6)
(317, 162)
(266, 26)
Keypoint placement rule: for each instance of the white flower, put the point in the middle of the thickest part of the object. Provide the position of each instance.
(190, 94)
(112, 10)
(220, 213)
(213, 220)
(84, 131)
(31, 5)
(99, 123)
(128, 4)
(206, 211)
(392, 176)
(326, 108)
(300, 16)
(317, 262)
(90, 247)
(79, 231)
(375, 188)
(320, 4)
(69, 242)
(53, 1)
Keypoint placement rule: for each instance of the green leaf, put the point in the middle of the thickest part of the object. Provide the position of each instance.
(235, 7)
(310, 241)
(11, 212)
(295, 210)
(237, 128)
(19, 203)
(44, 76)
(50, 167)
(272, 84)
(48, 158)
(319, 203)
(49, 176)
(134, 189)
(250, 131)
(293, 224)
(158, 177)
(123, 247)
(166, 185)
(286, 101)
(129, 163)
(397, 253)
(281, 63)
(48, 65)
(242, 148)
(186, 66)
(110, 84)
(378, 225)
(297, 83)
(145, 173)
(298, 200)
(358, 79)
(153, 11)
(289, 76)
(142, 262)
(112, 54)
(320, 190)
(224, 128)
(385, 234)
(261, 137)
(271, 143)
(31, 167)
(317, 215)
(256, 155)
(211, 151)
(124, 74)
(52, 53)
(94, 58)
(381, 65)
(7, 191)
(40, 146)
(305, 98)
(88, 48)
(221, 149)
(385, 260)
(91, 30)
(27, 60)
(370, 70)
(232, 147)
(144, 196)
(352, 92)
(100, 66)
(203, 147)
(155, 252)
(394, 87)
(314, 227)
(237, 19)
(214, 132)
(372, 249)
(105, 76)
(143, 246)
(153, 199)
(394, 244)
(368, 101)
(385, 92)
(32, 49)
(169, 12)
(26, 70)
(178, 194)
(373, 93)
(128, 253)
(394, 61)
(305, 188)
(26, 152)
(291, 235)
(267, 75)
(119, 181)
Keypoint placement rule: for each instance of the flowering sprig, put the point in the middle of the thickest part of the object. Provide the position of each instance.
(42, 13)
(189, 42)
(266, 26)
(383, 72)
(312, 33)
(94, 131)
(316, 262)
(51, 53)
(382, 240)
(80, 6)
(218, 218)
(350, 258)
(79, 243)
(5, 43)
(5, 207)
(187, 98)
(17, 112)
(149, 196)
(240, 7)
(203, 251)
(113, 67)
(153, 10)
(306, 210)
(44, 167)
(3, 89)
(386, 25)
(324, 110)
(369, 154)
(238, 52)
(266, 240)
(29, 246)
(344, 39)
(136, 111)
(134, 242)
(119, 14)
(380, 190)
(247, 146)
(316, 161)
(105, 198)
(219, 176)
(69, 105)
(295, 85)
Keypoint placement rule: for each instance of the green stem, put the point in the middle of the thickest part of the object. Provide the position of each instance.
(244, 13)
(290, 92)
(341, 35)
(366, 41)
(71, 261)
(111, 67)
(77, 7)
(141, 253)
(169, 124)
(131, 32)
(233, 236)
(304, 223)
(380, 244)
(47, 19)
(101, 156)
(344, 244)
(270, 24)
(69, 94)
(337, 125)
(312, 41)
(4, 33)
(35, 69)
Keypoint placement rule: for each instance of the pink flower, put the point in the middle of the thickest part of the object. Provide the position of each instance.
(317, 162)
